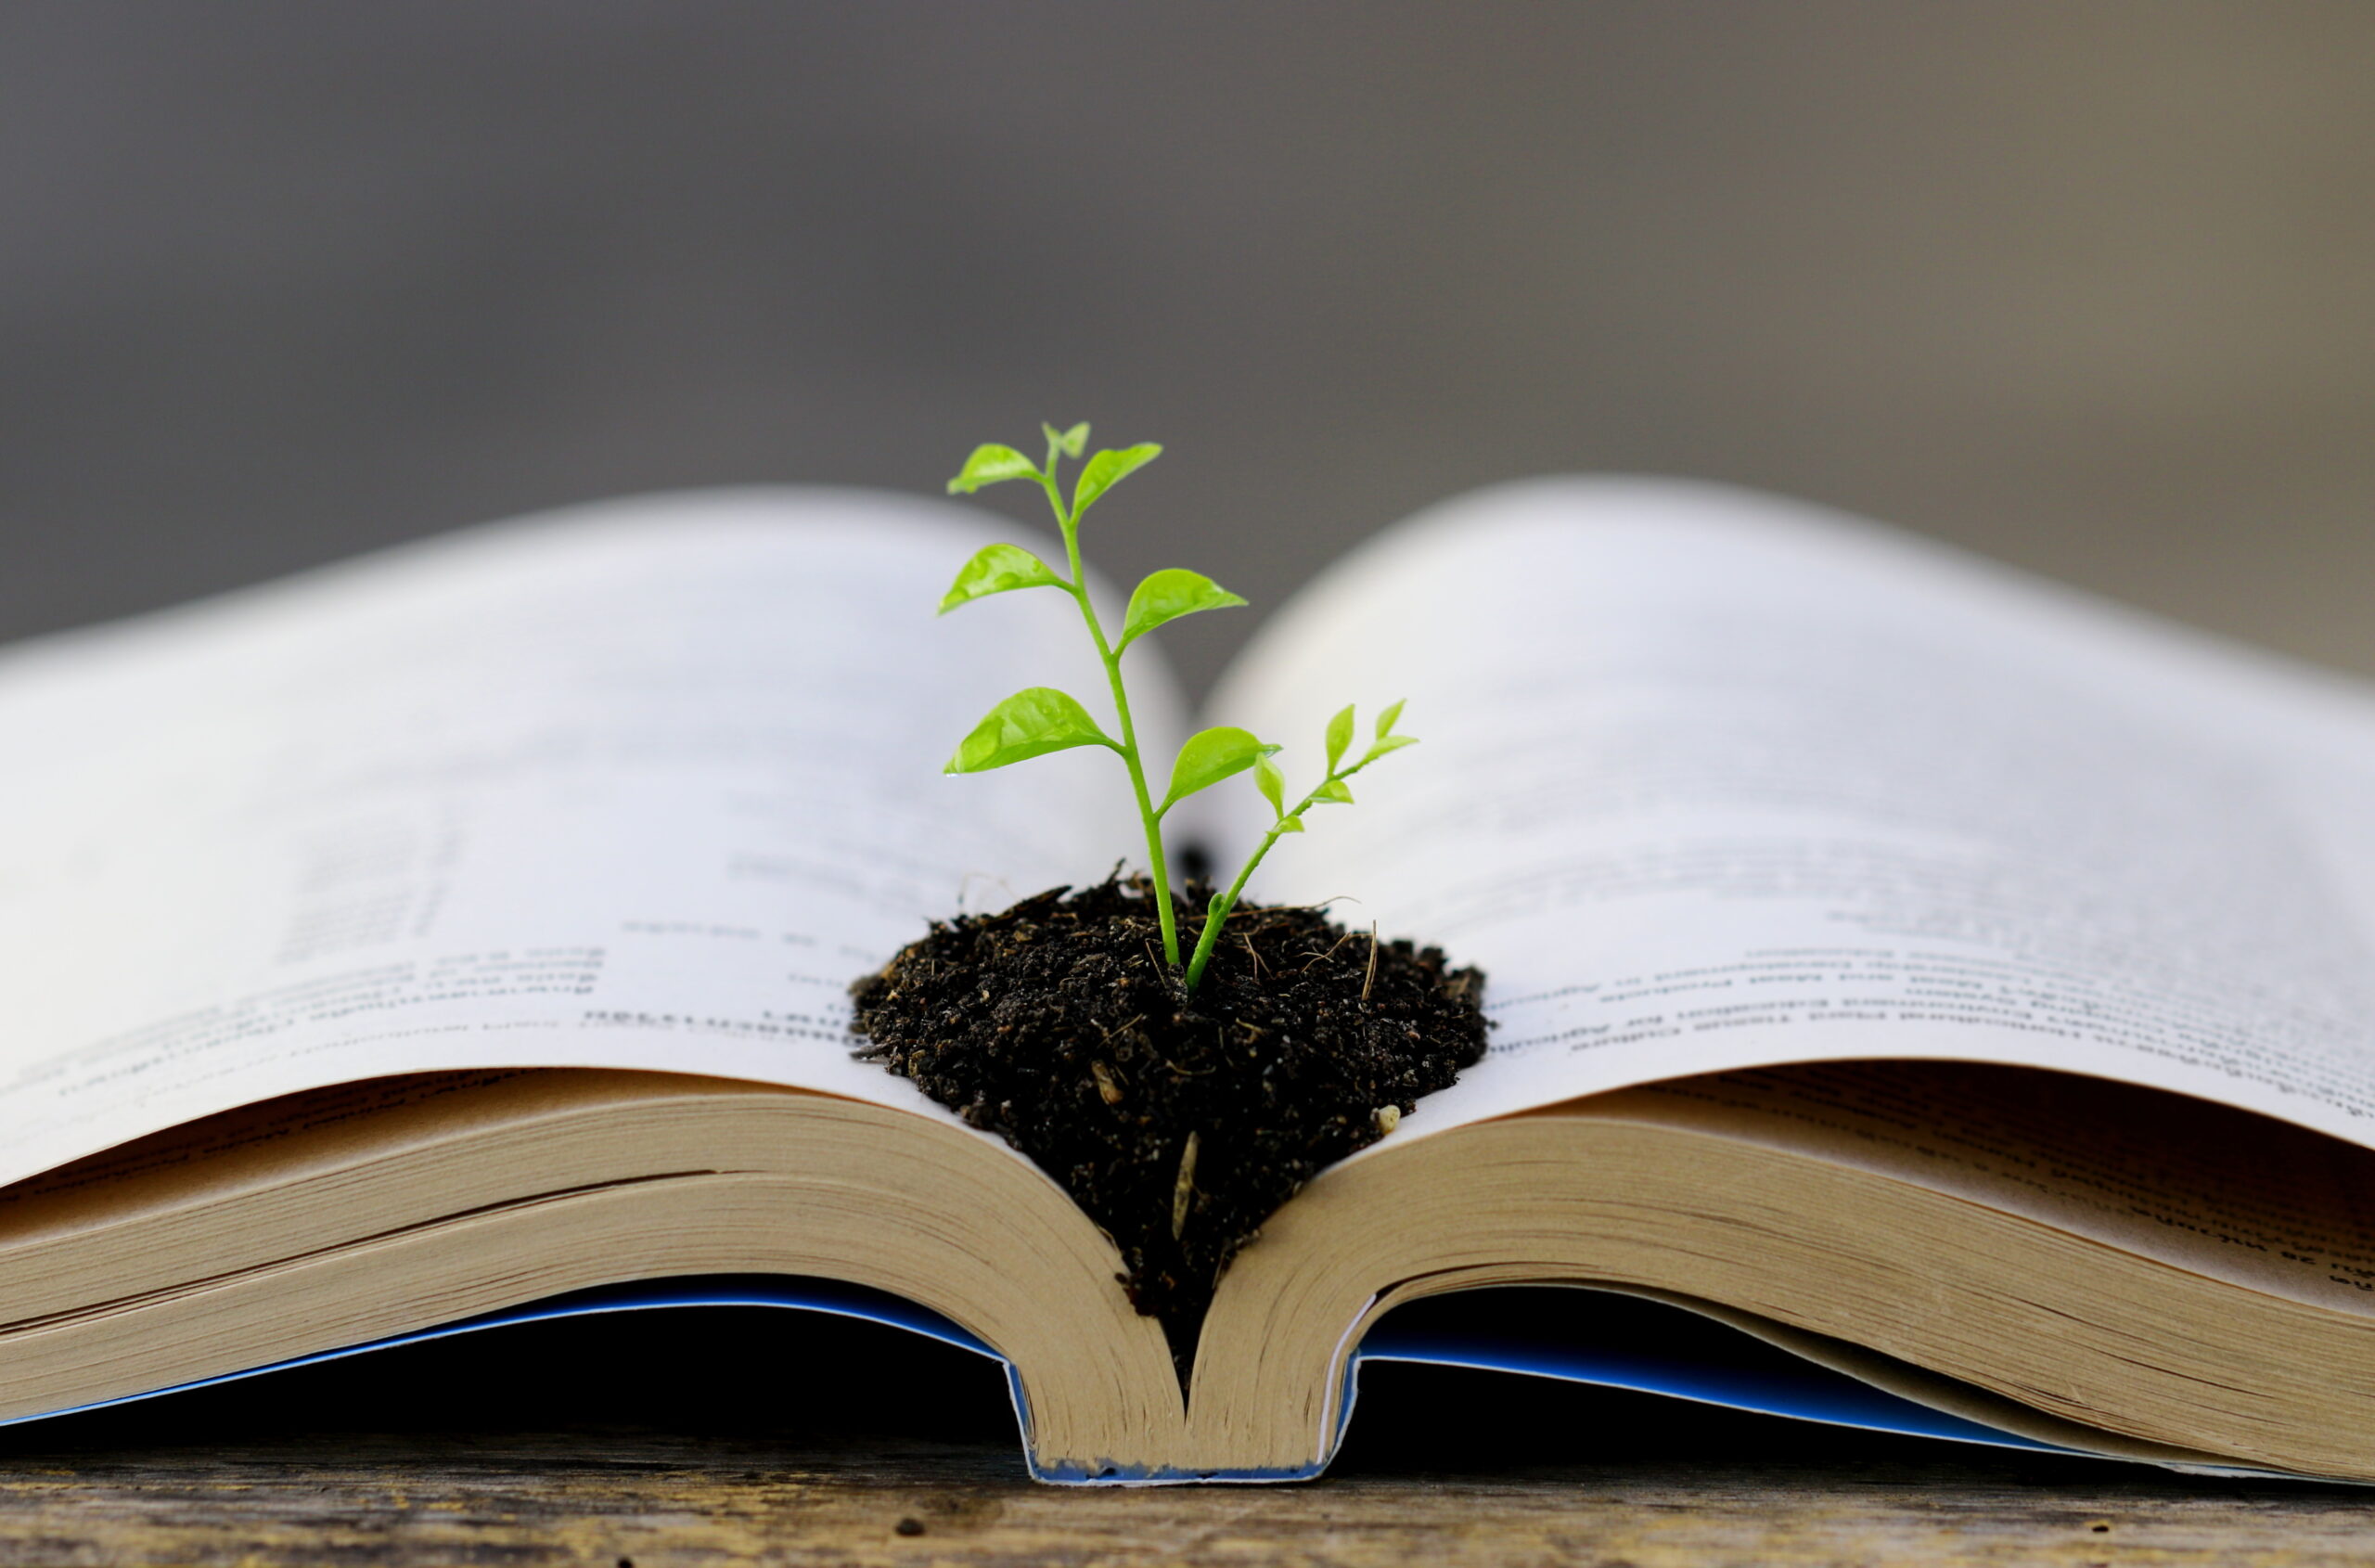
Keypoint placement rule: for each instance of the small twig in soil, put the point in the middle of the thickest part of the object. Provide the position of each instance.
(1319, 958)
(1158, 964)
(1179, 1072)
(1183, 1190)
(1252, 954)
(1370, 979)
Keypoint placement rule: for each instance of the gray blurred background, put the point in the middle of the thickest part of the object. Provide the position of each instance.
(2085, 287)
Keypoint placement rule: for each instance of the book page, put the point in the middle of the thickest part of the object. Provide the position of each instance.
(638, 784)
(2201, 1186)
(1712, 780)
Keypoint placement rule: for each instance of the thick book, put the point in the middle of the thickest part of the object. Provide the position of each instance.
(1924, 998)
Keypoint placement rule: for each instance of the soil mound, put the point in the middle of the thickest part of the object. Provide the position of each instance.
(1179, 1124)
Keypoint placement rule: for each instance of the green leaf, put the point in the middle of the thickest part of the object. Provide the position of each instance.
(1273, 785)
(1339, 735)
(1289, 825)
(1334, 793)
(1069, 442)
(1032, 723)
(1385, 720)
(997, 568)
(1210, 757)
(1166, 596)
(1390, 743)
(991, 465)
(1107, 469)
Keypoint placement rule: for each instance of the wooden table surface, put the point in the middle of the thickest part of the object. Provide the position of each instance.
(653, 1446)
(652, 1499)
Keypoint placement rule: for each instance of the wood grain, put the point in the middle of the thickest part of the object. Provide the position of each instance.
(732, 1436)
(653, 1499)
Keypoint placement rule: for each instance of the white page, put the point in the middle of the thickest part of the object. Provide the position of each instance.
(642, 785)
(1712, 780)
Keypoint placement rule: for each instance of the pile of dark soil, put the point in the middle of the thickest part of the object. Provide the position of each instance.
(1179, 1124)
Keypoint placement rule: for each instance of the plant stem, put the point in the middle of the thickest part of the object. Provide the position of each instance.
(1216, 912)
(1112, 661)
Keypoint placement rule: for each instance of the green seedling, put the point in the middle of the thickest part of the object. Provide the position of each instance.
(1331, 790)
(1040, 719)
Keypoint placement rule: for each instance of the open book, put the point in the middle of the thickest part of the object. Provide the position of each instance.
(1931, 981)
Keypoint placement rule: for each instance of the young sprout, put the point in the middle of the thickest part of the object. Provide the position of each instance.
(1330, 791)
(1040, 719)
